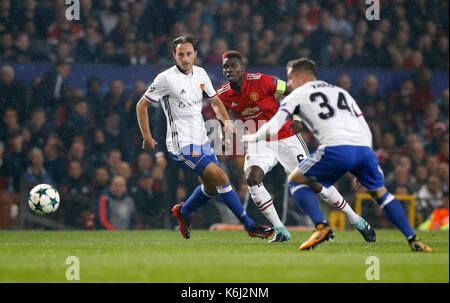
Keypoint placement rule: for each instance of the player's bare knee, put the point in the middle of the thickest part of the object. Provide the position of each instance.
(254, 176)
(220, 178)
(378, 193)
(297, 177)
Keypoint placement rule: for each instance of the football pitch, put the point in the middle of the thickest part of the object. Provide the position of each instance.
(217, 256)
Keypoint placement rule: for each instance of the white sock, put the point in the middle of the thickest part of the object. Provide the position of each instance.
(332, 197)
(264, 202)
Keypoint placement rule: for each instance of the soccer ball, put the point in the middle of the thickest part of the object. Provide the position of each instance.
(43, 199)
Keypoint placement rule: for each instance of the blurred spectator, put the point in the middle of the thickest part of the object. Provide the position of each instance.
(86, 50)
(9, 124)
(16, 159)
(423, 94)
(441, 55)
(148, 205)
(345, 58)
(100, 183)
(22, 50)
(205, 40)
(214, 57)
(345, 82)
(107, 17)
(74, 193)
(53, 153)
(437, 136)
(400, 179)
(115, 101)
(123, 170)
(12, 91)
(63, 29)
(5, 172)
(438, 219)
(113, 160)
(35, 172)
(95, 100)
(339, 24)
(39, 127)
(78, 121)
(420, 177)
(444, 107)
(417, 154)
(428, 197)
(115, 137)
(6, 47)
(443, 174)
(368, 95)
(443, 156)
(49, 90)
(379, 56)
(400, 50)
(116, 209)
(321, 34)
(98, 149)
(108, 52)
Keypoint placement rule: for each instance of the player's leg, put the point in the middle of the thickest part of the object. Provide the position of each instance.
(200, 196)
(291, 152)
(260, 159)
(216, 177)
(369, 174)
(262, 199)
(326, 166)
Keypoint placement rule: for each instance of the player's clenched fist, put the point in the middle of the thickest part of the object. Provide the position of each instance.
(149, 144)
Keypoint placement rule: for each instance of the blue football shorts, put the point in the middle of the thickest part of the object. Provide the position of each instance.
(327, 164)
(196, 157)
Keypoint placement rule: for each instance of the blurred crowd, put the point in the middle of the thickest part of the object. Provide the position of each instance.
(410, 34)
(85, 140)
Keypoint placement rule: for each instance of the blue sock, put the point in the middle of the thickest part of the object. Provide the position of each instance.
(198, 198)
(307, 200)
(231, 199)
(396, 214)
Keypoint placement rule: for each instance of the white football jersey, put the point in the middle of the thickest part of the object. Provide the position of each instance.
(181, 96)
(330, 112)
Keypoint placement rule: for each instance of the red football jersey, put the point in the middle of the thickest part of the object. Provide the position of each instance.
(255, 101)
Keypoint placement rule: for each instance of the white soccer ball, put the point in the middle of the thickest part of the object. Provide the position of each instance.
(43, 199)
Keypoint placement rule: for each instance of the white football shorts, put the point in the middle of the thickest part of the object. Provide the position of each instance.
(266, 154)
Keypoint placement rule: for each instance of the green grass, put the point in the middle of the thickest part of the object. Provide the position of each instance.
(213, 256)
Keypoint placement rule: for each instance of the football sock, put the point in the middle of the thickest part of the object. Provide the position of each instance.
(307, 201)
(198, 198)
(231, 199)
(332, 197)
(396, 214)
(264, 202)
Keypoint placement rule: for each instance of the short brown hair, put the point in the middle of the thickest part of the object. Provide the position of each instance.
(303, 64)
(184, 39)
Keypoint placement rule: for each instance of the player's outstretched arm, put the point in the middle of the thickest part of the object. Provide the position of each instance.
(269, 129)
(222, 114)
(142, 117)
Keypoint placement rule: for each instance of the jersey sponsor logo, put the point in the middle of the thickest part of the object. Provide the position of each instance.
(190, 104)
(182, 91)
(254, 96)
(250, 111)
(152, 88)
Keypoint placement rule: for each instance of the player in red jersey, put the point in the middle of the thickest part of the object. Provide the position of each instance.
(252, 97)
